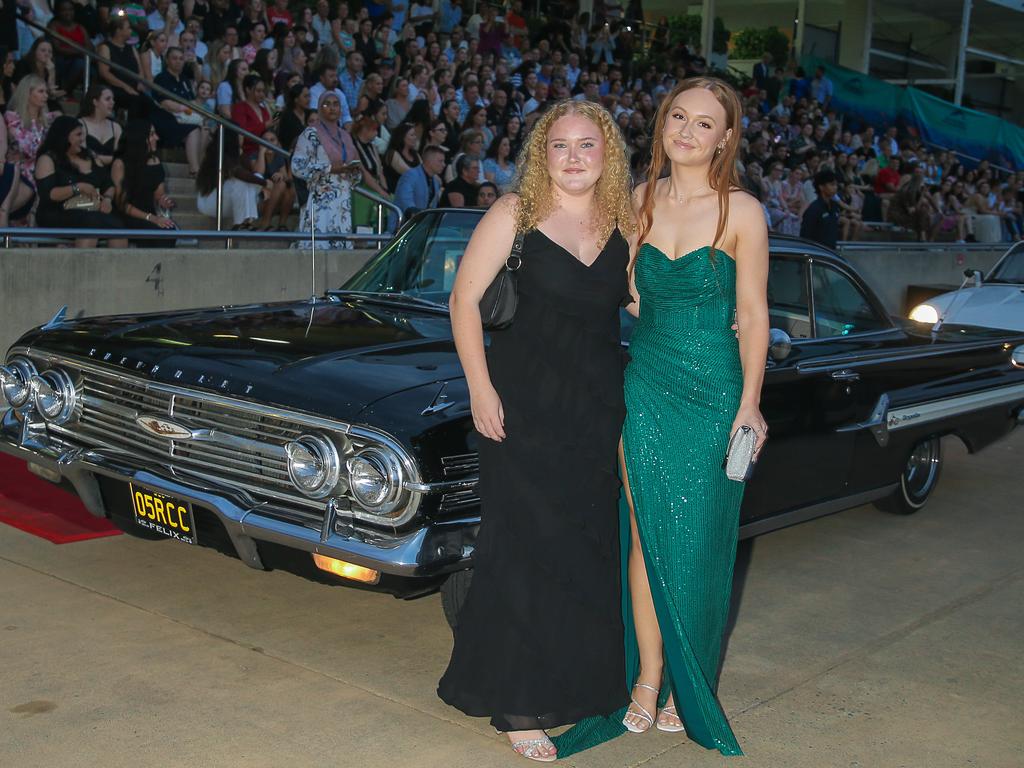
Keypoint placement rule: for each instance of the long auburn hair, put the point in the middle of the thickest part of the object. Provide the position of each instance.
(722, 174)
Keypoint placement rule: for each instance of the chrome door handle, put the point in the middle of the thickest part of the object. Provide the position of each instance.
(845, 375)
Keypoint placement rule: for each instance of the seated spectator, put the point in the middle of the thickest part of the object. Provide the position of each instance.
(782, 217)
(326, 160)
(370, 92)
(7, 79)
(257, 37)
(265, 65)
(27, 123)
(471, 143)
(241, 187)
(16, 196)
(230, 91)
(487, 195)
(419, 187)
(251, 113)
(118, 49)
(102, 131)
(820, 221)
(279, 192)
(911, 207)
(498, 167)
(176, 123)
(140, 194)
(292, 119)
(436, 134)
(461, 191)
(70, 63)
(151, 55)
(399, 103)
(39, 62)
(70, 191)
(363, 132)
(401, 154)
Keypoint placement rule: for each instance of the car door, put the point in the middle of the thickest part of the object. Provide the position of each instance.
(808, 398)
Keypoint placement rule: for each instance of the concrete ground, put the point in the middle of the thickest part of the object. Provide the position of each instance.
(863, 640)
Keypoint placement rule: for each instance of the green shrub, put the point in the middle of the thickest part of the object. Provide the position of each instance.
(751, 43)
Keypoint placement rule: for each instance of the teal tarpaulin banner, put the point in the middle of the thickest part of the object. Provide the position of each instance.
(974, 134)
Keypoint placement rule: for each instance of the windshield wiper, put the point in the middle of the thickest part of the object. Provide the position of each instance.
(403, 298)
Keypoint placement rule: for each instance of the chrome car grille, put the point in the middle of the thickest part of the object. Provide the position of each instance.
(466, 465)
(247, 451)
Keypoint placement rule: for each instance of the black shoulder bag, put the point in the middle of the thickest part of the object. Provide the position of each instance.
(498, 305)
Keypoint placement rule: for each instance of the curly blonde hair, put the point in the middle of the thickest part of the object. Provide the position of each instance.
(612, 206)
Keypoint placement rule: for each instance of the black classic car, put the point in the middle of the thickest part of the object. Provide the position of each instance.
(333, 436)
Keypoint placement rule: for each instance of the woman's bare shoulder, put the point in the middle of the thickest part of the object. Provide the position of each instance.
(744, 204)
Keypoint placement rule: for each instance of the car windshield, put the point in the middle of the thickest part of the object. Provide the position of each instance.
(421, 262)
(1010, 268)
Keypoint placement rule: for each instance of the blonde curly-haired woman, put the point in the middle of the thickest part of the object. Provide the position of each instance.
(538, 642)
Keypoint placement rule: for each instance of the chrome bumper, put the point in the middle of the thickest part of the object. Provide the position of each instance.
(430, 550)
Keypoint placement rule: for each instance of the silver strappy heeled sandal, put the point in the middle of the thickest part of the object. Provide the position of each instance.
(669, 727)
(530, 749)
(642, 713)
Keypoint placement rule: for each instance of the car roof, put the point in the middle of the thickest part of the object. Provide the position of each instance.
(776, 243)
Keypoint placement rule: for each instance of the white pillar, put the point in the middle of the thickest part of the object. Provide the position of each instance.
(961, 52)
(707, 28)
(798, 36)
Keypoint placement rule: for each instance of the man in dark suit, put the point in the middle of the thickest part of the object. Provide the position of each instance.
(763, 71)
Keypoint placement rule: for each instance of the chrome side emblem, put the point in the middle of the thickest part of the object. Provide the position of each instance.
(154, 425)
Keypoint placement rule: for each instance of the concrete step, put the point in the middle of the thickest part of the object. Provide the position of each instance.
(176, 170)
(178, 186)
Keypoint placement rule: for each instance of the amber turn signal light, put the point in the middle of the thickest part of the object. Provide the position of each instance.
(346, 570)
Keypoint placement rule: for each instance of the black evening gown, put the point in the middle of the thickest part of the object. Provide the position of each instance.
(539, 640)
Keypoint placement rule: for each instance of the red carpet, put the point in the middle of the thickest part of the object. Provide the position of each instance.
(41, 508)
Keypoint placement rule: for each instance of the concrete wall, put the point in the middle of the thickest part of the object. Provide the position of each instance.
(36, 282)
(890, 270)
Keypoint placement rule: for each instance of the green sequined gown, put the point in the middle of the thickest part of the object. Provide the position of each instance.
(683, 388)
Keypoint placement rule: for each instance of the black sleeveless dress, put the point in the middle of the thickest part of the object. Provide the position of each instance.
(539, 640)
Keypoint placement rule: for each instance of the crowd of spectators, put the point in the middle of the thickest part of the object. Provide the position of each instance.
(425, 103)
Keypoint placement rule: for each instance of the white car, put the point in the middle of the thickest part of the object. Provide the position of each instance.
(995, 301)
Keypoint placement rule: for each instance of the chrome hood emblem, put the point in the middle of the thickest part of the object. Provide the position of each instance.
(169, 430)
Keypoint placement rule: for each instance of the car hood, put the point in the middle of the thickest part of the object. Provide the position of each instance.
(332, 357)
(990, 306)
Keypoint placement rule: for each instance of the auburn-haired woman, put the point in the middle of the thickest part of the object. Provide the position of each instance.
(538, 642)
(701, 257)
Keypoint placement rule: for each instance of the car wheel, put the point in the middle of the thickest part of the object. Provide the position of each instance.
(453, 595)
(917, 481)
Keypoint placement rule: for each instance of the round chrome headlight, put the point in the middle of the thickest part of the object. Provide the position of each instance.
(54, 395)
(375, 478)
(313, 465)
(14, 382)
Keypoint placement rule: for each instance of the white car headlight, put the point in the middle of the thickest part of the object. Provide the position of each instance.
(313, 465)
(925, 313)
(375, 479)
(14, 382)
(1017, 356)
(54, 395)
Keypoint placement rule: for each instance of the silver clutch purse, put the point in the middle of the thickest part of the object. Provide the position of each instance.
(739, 458)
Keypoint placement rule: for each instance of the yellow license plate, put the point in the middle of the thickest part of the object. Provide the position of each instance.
(163, 514)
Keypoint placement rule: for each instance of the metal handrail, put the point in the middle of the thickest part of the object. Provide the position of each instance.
(27, 234)
(221, 122)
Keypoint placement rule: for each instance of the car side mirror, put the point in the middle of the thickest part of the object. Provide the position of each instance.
(779, 344)
(976, 274)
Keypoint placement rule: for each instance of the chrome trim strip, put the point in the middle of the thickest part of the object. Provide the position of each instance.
(786, 519)
(877, 422)
(925, 413)
(884, 356)
(443, 485)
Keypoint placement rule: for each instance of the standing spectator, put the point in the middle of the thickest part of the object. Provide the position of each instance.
(351, 80)
(116, 47)
(102, 131)
(419, 187)
(821, 88)
(70, 63)
(327, 160)
(461, 191)
(138, 177)
(821, 219)
(27, 123)
(763, 71)
(242, 187)
(39, 61)
(251, 113)
(65, 177)
(498, 167)
(176, 123)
